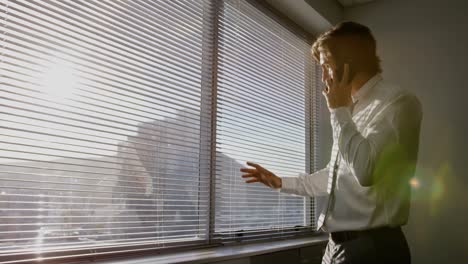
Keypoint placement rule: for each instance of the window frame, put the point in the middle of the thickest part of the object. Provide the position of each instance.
(312, 107)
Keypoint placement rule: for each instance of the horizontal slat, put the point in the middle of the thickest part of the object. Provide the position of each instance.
(139, 61)
(268, 212)
(167, 181)
(261, 88)
(120, 223)
(285, 167)
(129, 131)
(57, 134)
(124, 178)
(95, 190)
(244, 221)
(167, 235)
(85, 24)
(249, 68)
(93, 248)
(255, 38)
(120, 98)
(135, 199)
(94, 73)
(170, 217)
(91, 105)
(160, 212)
(112, 80)
(250, 113)
(258, 125)
(91, 166)
(43, 120)
(244, 61)
(243, 88)
(165, 203)
(257, 131)
(243, 200)
(269, 24)
(257, 194)
(112, 162)
(164, 152)
(86, 60)
(143, 70)
(251, 234)
(186, 162)
(181, 228)
(240, 147)
(281, 148)
(261, 193)
(169, 191)
(294, 116)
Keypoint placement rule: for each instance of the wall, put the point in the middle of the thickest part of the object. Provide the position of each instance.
(330, 10)
(308, 17)
(304, 255)
(423, 46)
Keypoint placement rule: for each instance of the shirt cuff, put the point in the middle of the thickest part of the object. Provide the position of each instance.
(288, 184)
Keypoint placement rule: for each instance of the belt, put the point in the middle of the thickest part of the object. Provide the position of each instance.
(343, 236)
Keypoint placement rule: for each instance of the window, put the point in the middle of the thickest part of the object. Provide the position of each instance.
(263, 93)
(123, 125)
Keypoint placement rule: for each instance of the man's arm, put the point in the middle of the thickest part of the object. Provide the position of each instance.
(306, 184)
(314, 184)
(385, 138)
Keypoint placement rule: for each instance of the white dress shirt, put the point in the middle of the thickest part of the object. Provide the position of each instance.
(374, 153)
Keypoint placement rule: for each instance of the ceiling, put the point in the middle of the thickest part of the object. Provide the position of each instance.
(315, 16)
(351, 3)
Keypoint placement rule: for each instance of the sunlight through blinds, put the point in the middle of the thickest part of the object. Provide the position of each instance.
(264, 115)
(103, 142)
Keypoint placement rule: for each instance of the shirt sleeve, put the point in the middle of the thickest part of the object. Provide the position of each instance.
(383, 136)
(314, 184)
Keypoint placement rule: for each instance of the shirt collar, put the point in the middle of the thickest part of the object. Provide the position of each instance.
(366, 87)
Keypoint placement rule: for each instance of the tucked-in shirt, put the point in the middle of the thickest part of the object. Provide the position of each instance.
(377, 145)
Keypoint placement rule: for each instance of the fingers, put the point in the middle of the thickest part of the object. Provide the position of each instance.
(328, 84)
(253, 180)
(255, 165)
(325, 92)
(248, 175)
(248, 170)
(259, 174)
(253, 177)
(345, 78)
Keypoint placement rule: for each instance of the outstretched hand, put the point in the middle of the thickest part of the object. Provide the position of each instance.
(260, 174)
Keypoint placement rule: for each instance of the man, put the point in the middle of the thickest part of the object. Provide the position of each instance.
(365, 188)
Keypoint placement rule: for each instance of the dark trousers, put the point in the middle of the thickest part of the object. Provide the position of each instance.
(382, 245)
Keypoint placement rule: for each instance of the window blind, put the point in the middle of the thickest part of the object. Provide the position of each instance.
(264, 115)
(104, 139)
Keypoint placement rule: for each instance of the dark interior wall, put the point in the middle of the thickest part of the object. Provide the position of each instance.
(303, 255)
(423, 46)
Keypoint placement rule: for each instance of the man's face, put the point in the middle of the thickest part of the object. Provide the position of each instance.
(328, 67)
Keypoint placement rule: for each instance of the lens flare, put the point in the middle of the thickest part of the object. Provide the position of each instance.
(415, 183)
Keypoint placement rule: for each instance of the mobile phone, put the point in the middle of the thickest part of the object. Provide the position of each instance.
(340, 71)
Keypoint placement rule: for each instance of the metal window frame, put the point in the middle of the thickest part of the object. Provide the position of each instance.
(208, 145)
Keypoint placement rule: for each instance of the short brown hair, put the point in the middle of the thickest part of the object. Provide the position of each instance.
(352, 43)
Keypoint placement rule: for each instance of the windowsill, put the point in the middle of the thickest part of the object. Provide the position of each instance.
(223, 252)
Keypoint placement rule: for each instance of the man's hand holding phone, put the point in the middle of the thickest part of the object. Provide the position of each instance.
(338, 89)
